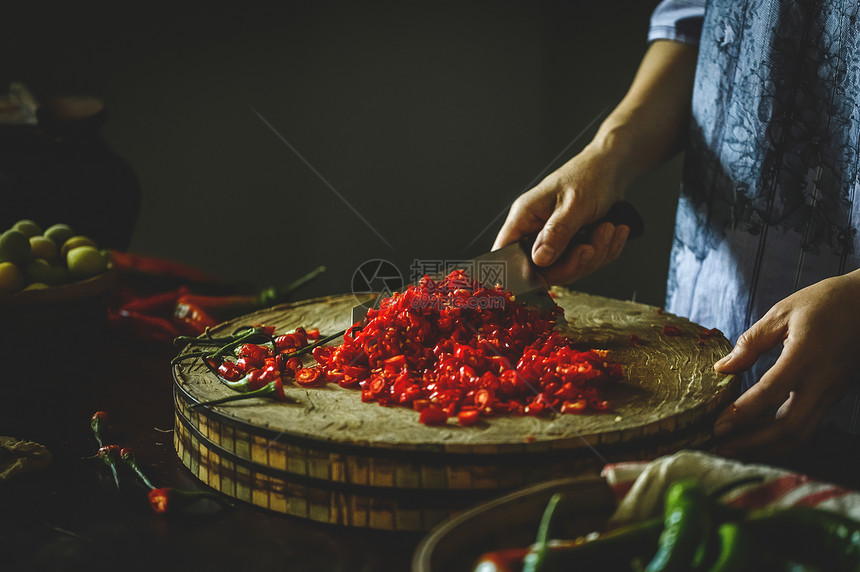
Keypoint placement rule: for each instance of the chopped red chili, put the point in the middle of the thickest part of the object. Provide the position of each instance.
(309, 376)
(710, 333)
(445, 348)
(451, 343)
(433, 416)
(671, 330)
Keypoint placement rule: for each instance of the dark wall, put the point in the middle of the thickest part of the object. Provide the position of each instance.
(428, 118)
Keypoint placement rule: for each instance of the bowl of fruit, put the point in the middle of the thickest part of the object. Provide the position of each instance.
(52, 276)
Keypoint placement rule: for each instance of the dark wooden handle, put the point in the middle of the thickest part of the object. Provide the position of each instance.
(621, 212)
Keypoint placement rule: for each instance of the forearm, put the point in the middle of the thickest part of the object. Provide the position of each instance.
(649, 124)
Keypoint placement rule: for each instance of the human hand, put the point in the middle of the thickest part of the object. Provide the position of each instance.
(818, 327)
(578, 193)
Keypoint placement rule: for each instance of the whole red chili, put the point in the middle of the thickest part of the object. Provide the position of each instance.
(168, 499)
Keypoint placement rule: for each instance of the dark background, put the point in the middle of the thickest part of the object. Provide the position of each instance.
(428, 117)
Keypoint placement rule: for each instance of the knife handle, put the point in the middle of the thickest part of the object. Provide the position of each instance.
(621, 212)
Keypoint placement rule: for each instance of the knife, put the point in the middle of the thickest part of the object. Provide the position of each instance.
(511, 266)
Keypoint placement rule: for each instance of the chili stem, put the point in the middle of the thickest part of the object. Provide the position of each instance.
(206, 339)
(310, 347)
(97, 421)
(234, 341)
(129, 459)
(115, 475)
(290, 288)
(264, 391)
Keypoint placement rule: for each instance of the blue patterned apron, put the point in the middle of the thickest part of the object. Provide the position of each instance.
(767, 203)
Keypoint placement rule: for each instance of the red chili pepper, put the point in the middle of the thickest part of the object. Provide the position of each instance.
(484, 398)
(433, 416)
(161, 303)
(254, 380)
(420, 404)
(467, 418)
(310, 377)
(127, 262)
(167, 499)
(290, 342)
(434, 347)
(671, 330)
(598, 404)
(151, 328)
(190, 315)
(395, 364)
(253, 354)
(229, 371)
(711, 333)
(322, 354)
(577, 406)
(293, 364)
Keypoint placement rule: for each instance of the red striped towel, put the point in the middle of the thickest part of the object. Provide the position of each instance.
(639, 486)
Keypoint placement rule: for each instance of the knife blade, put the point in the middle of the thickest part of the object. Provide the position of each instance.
(511, 266)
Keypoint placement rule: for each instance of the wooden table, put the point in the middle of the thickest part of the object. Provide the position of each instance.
(71, 517)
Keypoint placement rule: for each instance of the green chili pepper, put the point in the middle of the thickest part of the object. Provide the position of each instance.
(535, 559)
(735, 549)
(807, 535)
(686, 521)
(613, 550)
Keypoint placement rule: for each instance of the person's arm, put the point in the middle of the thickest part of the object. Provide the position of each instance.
(646, 128)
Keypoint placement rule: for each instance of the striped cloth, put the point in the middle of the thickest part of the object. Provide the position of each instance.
(639, 487)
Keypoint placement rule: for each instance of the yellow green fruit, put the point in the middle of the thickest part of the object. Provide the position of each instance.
(85, 261)
(42, 247)
(39, 270)
(14, 247)
(37, 286)
(60, 274)
(59, 233)
(27, 227)
(11, 278)
(74, 242)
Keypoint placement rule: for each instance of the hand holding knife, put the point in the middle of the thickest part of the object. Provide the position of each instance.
(520, 274)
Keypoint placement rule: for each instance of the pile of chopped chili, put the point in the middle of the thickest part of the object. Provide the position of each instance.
(445, 348)
(454, 347)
